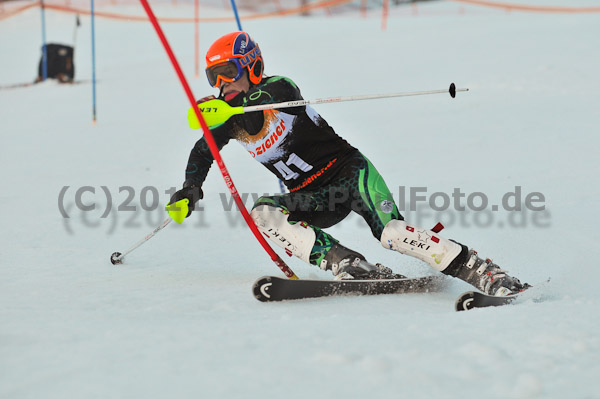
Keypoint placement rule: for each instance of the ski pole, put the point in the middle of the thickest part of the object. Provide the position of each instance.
(117, 257)
(216, 112)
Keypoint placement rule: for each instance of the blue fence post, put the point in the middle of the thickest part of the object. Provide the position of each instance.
(44, 47)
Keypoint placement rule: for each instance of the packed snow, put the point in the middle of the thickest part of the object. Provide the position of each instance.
(178, 318)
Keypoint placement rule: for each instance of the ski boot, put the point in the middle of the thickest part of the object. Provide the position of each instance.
(483, 274)
(346, 264)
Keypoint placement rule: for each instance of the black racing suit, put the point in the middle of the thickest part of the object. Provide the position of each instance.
(327, 177)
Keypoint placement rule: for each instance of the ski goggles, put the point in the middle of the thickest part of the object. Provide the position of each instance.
(228, 71)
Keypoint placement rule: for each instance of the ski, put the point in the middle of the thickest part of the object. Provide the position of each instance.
(270, 288)
(471, 300)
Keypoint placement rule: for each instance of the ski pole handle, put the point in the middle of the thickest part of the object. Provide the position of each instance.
(117, 257)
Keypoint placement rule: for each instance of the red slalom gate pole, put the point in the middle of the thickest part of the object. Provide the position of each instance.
(214, 149)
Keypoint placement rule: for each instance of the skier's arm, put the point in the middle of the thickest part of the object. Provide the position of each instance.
(201, 158)
(199, 163)
(276, 89)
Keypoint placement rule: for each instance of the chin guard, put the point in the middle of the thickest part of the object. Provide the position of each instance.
(215, 112)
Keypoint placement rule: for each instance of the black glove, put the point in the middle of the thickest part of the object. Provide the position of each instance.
(190, 191)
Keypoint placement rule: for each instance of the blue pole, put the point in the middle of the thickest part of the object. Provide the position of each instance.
(237, 17)
(93, 64)
(44, 47)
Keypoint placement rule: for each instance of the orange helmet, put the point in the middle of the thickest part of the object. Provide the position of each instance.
(227, 58)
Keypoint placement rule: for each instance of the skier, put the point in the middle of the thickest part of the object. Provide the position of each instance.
(327, 178)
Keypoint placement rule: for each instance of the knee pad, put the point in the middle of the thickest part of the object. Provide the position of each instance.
(421, 243)
(296, 239)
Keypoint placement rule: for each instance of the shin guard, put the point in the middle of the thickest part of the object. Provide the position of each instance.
(297, 239)
(421, 243)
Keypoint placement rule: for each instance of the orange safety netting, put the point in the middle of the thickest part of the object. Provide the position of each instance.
(523, 7)
(136, 18)
(12, 13)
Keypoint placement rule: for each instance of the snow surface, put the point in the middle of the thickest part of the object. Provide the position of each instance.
(178, 318)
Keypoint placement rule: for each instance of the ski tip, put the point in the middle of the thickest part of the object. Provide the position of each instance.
(465, 301)
(452, 90)
(260, 289)
(471, 299)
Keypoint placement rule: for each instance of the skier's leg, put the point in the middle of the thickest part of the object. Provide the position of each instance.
(361, 189)
(294, 222)
(375, 204)
(370, 196)
(449, 257)
(296, 237)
